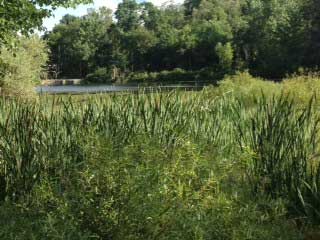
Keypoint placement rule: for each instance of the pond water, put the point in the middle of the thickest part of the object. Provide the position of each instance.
(82, 89)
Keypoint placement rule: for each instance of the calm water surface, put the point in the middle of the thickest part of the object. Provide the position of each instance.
(82, 89)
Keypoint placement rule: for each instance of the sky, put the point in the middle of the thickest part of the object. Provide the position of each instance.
(82, 10)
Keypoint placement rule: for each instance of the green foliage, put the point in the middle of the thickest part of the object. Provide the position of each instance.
(268, 50)
(129, 167)
(225, 55)
(166, 165)
(281, 140)
(76, 41)
(23, 66)
(23, 15)
(100, 75)
(244, 86)
(269, 38)
(19, 223)
(177, 75)
(127, 15)
(304, 85)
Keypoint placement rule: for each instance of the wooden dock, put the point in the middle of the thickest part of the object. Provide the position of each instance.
(61, 82)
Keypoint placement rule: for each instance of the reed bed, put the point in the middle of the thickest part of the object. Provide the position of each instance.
(171, 165)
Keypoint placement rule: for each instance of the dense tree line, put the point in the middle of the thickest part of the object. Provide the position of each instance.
(269, 37)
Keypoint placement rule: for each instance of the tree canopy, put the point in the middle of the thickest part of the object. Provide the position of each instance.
(25, 15)
(271, 38)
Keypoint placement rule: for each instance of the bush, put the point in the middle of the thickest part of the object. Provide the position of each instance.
(141, 77)
(226, 55)
(302, 86)
(176, 75)
(100, 75)
(243, 85)
(21, 68)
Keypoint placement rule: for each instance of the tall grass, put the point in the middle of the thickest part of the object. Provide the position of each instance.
(283, 143)
(33, 136)
(162, 165)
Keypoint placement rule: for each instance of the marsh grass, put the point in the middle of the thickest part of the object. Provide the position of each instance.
(164, 165)
(283, 143)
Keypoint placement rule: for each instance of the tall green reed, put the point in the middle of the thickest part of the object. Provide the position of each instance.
(282, 140)
(48, 137)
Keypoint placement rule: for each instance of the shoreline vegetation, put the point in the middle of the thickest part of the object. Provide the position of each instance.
(199, 40)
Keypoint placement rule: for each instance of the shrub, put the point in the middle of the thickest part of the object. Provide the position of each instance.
(100, 75)
(141, 77)
(243, 85)
(225, 54)
(302, 86)
(176, 75)
(21, 67)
